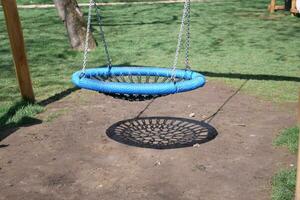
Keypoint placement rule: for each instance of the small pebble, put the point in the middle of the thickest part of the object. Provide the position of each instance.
(291, 165)
(200, 167)
(192, 115)
(89, 122)
(100, 186)
(157, 163)
(252, 135)
(196, 145)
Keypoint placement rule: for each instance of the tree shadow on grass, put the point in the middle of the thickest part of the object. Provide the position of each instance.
(11, 112)
(265, 77)
(166, 22)
(8, 126)
(261, 77)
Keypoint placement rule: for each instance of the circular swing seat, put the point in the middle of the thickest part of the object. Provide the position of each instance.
(138, 82)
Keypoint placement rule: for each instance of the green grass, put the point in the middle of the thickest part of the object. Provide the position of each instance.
(28, 2)
(284, 183)
(288, 138)
(231, 41)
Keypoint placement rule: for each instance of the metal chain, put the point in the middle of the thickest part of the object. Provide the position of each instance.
(86, 45)
(102, 35)
(188, 36)
(186, 14)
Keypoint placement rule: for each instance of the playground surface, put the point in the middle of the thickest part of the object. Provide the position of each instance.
(69, 155)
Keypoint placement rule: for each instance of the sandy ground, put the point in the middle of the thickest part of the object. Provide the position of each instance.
(70, 155)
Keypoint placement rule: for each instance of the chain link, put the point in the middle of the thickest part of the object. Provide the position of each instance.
(185, 20)
(188, 35)
(186, 14)
(102, 35)
(86, 44)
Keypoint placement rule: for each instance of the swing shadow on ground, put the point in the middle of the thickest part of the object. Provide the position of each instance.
(161, 132)
(8, 127)
(166, 132)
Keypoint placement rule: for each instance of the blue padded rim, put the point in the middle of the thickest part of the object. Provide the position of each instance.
(192, 80)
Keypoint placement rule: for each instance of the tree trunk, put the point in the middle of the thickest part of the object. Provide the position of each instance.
(70, 14)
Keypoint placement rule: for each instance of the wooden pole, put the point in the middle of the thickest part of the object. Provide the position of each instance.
(272, 6)
(293, 7)
(297, 195)
(15, 34)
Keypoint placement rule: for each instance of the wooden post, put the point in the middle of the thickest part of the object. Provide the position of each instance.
(293, 7)
(15, 34)
(272, 6)
(297, 195)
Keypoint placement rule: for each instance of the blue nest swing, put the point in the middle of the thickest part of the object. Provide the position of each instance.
(138, 83)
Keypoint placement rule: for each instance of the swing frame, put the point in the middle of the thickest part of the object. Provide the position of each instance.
(272, 7)
(16, 39)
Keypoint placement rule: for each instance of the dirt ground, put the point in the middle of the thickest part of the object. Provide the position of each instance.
(70, 156)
